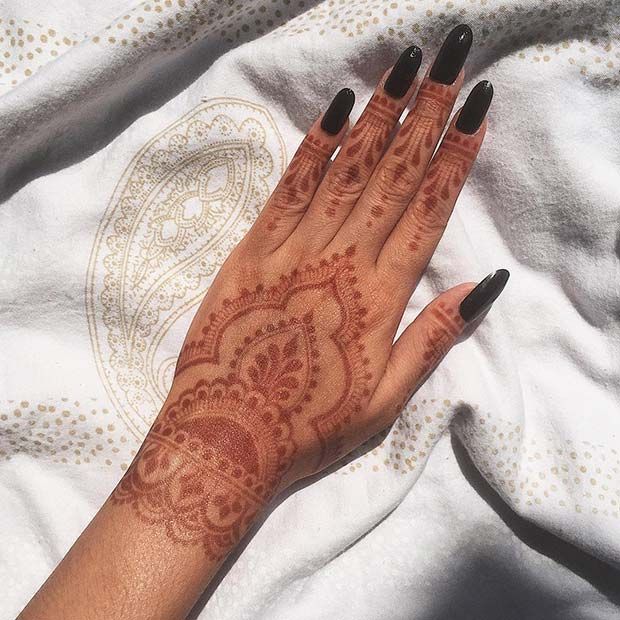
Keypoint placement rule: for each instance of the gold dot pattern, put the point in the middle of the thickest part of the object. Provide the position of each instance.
(172, 25)
(407, 444)
(26, 46)
(527, 471)
(65, 431)
(580, 32)
(584, 43)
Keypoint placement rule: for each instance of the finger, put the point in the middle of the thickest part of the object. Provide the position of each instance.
(348, 175)
(293, 194)
(401, 170)
(413, 240)
(425, 342)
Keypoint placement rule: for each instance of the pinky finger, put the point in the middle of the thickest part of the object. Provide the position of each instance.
(428, 339)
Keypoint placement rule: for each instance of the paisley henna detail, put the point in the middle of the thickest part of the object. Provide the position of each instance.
(217, 453)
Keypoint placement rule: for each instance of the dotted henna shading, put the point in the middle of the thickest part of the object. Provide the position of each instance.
(215, 455)
(211, 461)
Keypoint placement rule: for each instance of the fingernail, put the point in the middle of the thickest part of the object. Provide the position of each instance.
(475, 108)
(338, 111)
(485, 293)
(403, 73)
(452, 55)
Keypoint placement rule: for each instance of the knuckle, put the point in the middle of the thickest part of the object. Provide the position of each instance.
(426, 216)
(289, 199)
(347, 179)
(397, 178)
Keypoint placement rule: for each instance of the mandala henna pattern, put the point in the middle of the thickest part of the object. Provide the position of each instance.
(217, 453)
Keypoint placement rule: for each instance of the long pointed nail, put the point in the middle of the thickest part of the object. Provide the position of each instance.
(485, 293)
(338, 111)
(403, 73)
(451, 57)
(475, 108)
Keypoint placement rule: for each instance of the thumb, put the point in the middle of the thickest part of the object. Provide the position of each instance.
(426, 341)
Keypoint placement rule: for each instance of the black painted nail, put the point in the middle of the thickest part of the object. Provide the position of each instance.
(403, 73)
(485, 293)
(452, 55)
(338, 111)
(475, 108)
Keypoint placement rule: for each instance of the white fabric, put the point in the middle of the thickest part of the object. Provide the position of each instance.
(122, 128)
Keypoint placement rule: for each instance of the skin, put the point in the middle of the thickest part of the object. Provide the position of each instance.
(289, 362)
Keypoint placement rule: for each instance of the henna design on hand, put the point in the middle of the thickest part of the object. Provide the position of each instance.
(305, 169)
(218, 452)
(432, 107)
(449, 170)
(444, 178)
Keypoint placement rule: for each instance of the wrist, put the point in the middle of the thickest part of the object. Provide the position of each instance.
(212, 460)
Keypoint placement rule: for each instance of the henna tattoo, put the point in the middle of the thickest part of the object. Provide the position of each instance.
(432, 108)
(402, 168)
(450, 169)
(301, 177)
(216, 453)
(444, 178)
(363, 149)
(209, 463)
(371, 132)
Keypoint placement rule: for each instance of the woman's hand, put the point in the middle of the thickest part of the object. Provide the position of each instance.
(289, 362)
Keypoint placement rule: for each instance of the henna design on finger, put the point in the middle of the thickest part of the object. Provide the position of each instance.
(447, 325)
(219, 451)
(371, 132)
(446, 175)
(432, 108)
(363, 149)
(403, 166)
(453, 162)
(302, 176)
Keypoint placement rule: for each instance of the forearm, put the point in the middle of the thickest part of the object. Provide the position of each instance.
(160, 537)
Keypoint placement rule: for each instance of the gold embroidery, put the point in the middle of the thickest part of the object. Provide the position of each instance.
(184, 202)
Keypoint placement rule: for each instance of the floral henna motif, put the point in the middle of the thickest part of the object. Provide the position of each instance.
(210, 462)
(216, 454)
(336, 320)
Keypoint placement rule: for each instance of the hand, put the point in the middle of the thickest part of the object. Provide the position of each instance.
(290, 362)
